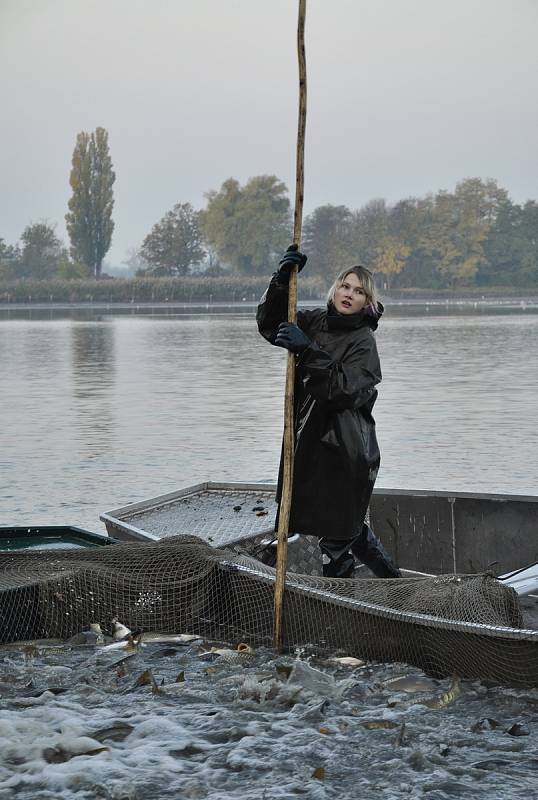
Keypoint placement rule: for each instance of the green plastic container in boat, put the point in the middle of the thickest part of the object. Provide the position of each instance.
(49, 537)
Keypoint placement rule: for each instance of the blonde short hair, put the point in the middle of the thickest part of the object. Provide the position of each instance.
(367, 282)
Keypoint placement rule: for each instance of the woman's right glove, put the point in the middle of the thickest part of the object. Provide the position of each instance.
(291, 257)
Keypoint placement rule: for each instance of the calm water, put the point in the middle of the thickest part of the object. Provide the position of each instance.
(99, 410)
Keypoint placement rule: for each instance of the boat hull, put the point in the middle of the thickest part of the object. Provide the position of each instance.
(425, 531)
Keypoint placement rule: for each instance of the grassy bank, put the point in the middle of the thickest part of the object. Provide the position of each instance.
(467, 292)
(208, 290)
(147, 290)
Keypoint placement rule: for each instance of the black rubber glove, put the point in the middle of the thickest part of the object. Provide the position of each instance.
(292, 337)
(291, 257)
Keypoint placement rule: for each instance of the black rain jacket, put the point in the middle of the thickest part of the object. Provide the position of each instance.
(336, 451)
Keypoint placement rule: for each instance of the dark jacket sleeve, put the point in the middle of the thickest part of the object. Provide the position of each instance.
(348, 383)
(273, 309)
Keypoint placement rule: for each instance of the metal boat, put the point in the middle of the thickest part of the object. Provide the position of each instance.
(426, 532)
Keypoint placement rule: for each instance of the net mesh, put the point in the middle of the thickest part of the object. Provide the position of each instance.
(470, 625)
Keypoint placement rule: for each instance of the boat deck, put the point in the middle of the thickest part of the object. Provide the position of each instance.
(241, 516)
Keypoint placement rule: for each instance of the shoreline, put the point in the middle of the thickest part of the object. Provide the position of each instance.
(520, 302)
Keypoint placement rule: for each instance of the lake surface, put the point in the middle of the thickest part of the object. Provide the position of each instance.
(103, 408)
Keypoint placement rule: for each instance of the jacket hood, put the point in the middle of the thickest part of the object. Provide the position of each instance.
(367, 316)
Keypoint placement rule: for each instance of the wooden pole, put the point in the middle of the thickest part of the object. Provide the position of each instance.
(289, 445)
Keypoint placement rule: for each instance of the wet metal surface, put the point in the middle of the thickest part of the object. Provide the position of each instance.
(217, 515)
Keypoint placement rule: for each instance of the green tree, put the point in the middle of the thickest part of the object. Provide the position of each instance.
(9, 259)
(462, 221)
(326, 240)
(390, 258)
(503, 248)
(41, 253)
(248, 227)
(175, 243)
(529, 271)
(370, 226)
(89, 219)
(378, 242)
(411, 224)
(511, 247)
(71, 270)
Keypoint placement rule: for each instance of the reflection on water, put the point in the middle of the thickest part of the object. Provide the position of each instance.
(93, 375)
(397, 307)
(103, 411)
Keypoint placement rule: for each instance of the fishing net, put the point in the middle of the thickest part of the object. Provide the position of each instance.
(469, 625)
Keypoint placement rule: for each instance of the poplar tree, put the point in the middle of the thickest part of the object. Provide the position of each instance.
(89, 219)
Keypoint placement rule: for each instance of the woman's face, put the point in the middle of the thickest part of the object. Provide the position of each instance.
(350, 297)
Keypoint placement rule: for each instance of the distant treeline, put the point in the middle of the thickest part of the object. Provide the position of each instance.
(472, 238)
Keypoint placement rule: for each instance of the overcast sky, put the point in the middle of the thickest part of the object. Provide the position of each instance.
(404, 97)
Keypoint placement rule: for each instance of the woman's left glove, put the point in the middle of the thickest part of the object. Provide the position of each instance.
(292, 338)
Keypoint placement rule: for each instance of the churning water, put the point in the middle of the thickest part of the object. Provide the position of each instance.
(88, 725)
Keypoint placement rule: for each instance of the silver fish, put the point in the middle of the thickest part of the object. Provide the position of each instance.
(119, 630)
(410, 683)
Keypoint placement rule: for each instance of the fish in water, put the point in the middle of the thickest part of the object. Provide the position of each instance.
(454, 690)
(78, 746)
(130, 643)
(242, 655)
(91, 636)
(346, 661)
(171, 638)
(119, 630)
(379, 724)
(147, 679)
(95, 627)
(320, 683)
(117, 732)
(435, 701)
(410, 683)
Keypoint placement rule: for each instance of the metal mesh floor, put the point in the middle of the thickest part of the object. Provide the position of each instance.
(218, 516)
(241, 517)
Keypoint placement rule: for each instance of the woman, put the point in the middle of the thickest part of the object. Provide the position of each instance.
(336, 452)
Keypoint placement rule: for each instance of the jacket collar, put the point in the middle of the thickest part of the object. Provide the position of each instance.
(346, 322)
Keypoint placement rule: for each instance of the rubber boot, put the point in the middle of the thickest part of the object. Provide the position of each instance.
(268, 549)
(371, 552)
(338, 562)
